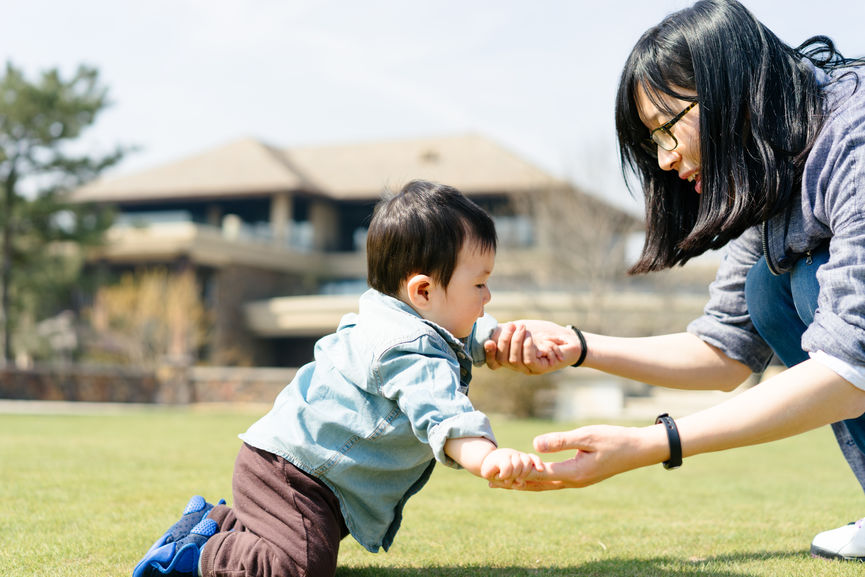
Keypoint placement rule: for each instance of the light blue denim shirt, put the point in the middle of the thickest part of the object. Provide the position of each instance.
(371, 414)
(830, 209)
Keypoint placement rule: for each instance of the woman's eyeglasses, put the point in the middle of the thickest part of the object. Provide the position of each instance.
(662, 136)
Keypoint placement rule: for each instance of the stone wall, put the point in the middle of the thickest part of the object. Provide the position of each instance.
(166, 385)
(239, 385)
(75, 383)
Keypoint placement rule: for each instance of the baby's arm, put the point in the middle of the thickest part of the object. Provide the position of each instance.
(481, 457)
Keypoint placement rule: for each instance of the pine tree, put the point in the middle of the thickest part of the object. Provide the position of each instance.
(38, 121)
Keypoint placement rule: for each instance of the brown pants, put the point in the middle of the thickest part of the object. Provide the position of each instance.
(283, 523)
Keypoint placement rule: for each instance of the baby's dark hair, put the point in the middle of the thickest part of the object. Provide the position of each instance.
(421, 230)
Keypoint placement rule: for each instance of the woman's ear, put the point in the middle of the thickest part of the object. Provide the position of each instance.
(418, 289)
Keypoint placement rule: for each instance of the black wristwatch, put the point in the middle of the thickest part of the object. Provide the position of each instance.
(675, 460)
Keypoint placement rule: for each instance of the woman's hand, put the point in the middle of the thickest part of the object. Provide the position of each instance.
(601, 452)
(532, 347)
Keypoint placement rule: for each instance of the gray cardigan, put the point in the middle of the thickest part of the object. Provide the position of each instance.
(830, 207)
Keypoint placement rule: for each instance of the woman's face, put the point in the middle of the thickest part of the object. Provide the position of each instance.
(685, 158)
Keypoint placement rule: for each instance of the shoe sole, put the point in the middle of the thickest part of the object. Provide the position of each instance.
(824, 554)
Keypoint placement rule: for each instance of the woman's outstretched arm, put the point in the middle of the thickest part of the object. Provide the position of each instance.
(680, 360)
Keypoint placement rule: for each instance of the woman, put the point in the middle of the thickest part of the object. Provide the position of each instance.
(739, 141)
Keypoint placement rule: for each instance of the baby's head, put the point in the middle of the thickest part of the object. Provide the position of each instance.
(425, 240)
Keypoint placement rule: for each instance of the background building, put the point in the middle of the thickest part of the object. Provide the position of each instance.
(276, 237)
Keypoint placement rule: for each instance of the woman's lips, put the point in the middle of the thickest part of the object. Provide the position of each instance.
(697, 181)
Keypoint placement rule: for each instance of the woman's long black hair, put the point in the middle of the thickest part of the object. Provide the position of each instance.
(760, 109)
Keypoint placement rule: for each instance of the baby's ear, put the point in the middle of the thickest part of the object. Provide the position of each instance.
(417, 289)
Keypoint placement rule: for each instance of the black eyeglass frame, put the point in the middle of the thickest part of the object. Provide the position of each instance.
(651, 143)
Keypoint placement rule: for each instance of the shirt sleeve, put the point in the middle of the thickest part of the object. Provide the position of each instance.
(424, 382)
(480, 334)
(839, 202)
(854, 374)
(726, 323)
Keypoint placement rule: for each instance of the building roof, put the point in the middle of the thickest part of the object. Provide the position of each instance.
(469, 162)
(240, 168)
(248, 167)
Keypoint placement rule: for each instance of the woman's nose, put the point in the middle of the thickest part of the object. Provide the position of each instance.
(667, 159)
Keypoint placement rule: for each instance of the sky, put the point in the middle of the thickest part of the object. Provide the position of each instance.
(538, 77)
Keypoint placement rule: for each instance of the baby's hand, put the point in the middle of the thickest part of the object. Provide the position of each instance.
(508, 466)
(548, 354)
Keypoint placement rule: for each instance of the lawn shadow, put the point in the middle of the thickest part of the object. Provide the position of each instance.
(617, 567)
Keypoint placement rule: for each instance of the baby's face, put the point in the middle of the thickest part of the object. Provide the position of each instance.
(457, 307)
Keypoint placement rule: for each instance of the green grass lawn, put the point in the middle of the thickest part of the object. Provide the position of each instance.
(86, 496)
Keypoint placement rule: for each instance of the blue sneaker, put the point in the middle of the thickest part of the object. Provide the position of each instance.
(196, 510)
(179, 558)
